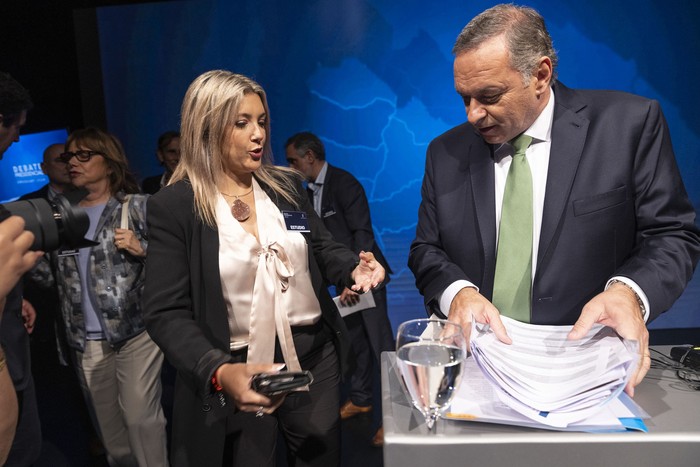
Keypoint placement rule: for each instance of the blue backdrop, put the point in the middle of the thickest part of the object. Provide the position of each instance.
(20, 167)
(373, 78)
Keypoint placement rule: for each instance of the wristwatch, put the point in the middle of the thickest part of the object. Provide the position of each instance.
(639, 299)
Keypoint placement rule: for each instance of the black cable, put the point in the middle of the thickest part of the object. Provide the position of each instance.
(687, 375)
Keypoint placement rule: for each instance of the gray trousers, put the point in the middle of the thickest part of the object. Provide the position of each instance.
(123, 391)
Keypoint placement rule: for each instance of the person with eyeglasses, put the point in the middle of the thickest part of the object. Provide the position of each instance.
(100, 288)
(52, 367)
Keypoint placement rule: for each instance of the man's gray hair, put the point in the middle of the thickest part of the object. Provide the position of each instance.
(525, 32)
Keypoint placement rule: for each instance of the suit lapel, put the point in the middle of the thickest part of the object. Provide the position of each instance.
(327, 195)
(483, 192)
(210, 269)
(569, 130)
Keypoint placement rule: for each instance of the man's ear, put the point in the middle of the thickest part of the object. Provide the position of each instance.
(543, 75)
(309, 154)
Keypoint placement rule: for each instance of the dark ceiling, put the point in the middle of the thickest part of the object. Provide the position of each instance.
(39, 50)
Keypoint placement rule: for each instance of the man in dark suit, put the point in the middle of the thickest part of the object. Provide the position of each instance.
(168, 153)
(613, 235)
(340, 201)
(57, 172)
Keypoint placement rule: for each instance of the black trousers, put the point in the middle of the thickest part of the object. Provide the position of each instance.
(308, 421)
(371, 334)
(26, 445)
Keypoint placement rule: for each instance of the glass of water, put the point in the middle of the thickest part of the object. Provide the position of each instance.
(430, 355)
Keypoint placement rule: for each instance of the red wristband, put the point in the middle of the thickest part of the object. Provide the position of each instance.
(215, 383)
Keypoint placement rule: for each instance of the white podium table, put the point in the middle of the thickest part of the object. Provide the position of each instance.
(673, 438)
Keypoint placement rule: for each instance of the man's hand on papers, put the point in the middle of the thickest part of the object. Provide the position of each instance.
(470, 305)
(617, 308)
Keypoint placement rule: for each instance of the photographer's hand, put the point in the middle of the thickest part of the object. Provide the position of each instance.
(15, 256)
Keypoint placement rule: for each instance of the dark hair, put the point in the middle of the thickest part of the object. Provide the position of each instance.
(95, 139)
(525, 32)
(304, 141)
(13, 99)
(166, 138)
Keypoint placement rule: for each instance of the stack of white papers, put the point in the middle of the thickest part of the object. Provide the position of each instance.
(476, 401)
(552, 380)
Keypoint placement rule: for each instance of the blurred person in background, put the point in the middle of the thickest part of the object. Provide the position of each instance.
(168, 153)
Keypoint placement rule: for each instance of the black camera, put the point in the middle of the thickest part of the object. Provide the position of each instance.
(55, 223)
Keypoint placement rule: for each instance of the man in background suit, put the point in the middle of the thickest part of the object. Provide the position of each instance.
(168, 153)
(340, 201)
(57, 172)
(614, 239)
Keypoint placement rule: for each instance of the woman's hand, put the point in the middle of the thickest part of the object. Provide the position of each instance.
(235, 380)
(368, 274)
(28, 316)
(126, 240)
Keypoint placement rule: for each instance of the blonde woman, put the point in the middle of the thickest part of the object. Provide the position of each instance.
(235, 271)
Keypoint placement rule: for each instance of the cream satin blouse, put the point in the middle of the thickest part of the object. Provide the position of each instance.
(267, 286)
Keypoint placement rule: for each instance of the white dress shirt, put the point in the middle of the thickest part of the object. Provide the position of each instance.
(317, 187)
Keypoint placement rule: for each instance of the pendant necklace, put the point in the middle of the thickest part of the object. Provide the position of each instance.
(239, 209)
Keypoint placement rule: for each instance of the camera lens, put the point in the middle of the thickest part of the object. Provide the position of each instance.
(54, 223)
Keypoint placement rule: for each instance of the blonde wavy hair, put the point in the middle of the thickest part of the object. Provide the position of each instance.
(209, 108)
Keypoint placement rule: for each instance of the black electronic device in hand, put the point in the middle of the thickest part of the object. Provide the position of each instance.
(273, 384)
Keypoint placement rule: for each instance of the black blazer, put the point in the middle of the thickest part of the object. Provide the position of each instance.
(614, 205)
(345, 213)
(151, 185)
(42, 192)
(186, 315)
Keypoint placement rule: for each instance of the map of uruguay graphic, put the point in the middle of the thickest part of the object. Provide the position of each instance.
(374, 80)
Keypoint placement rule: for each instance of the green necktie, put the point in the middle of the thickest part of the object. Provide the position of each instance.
(513, 280)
